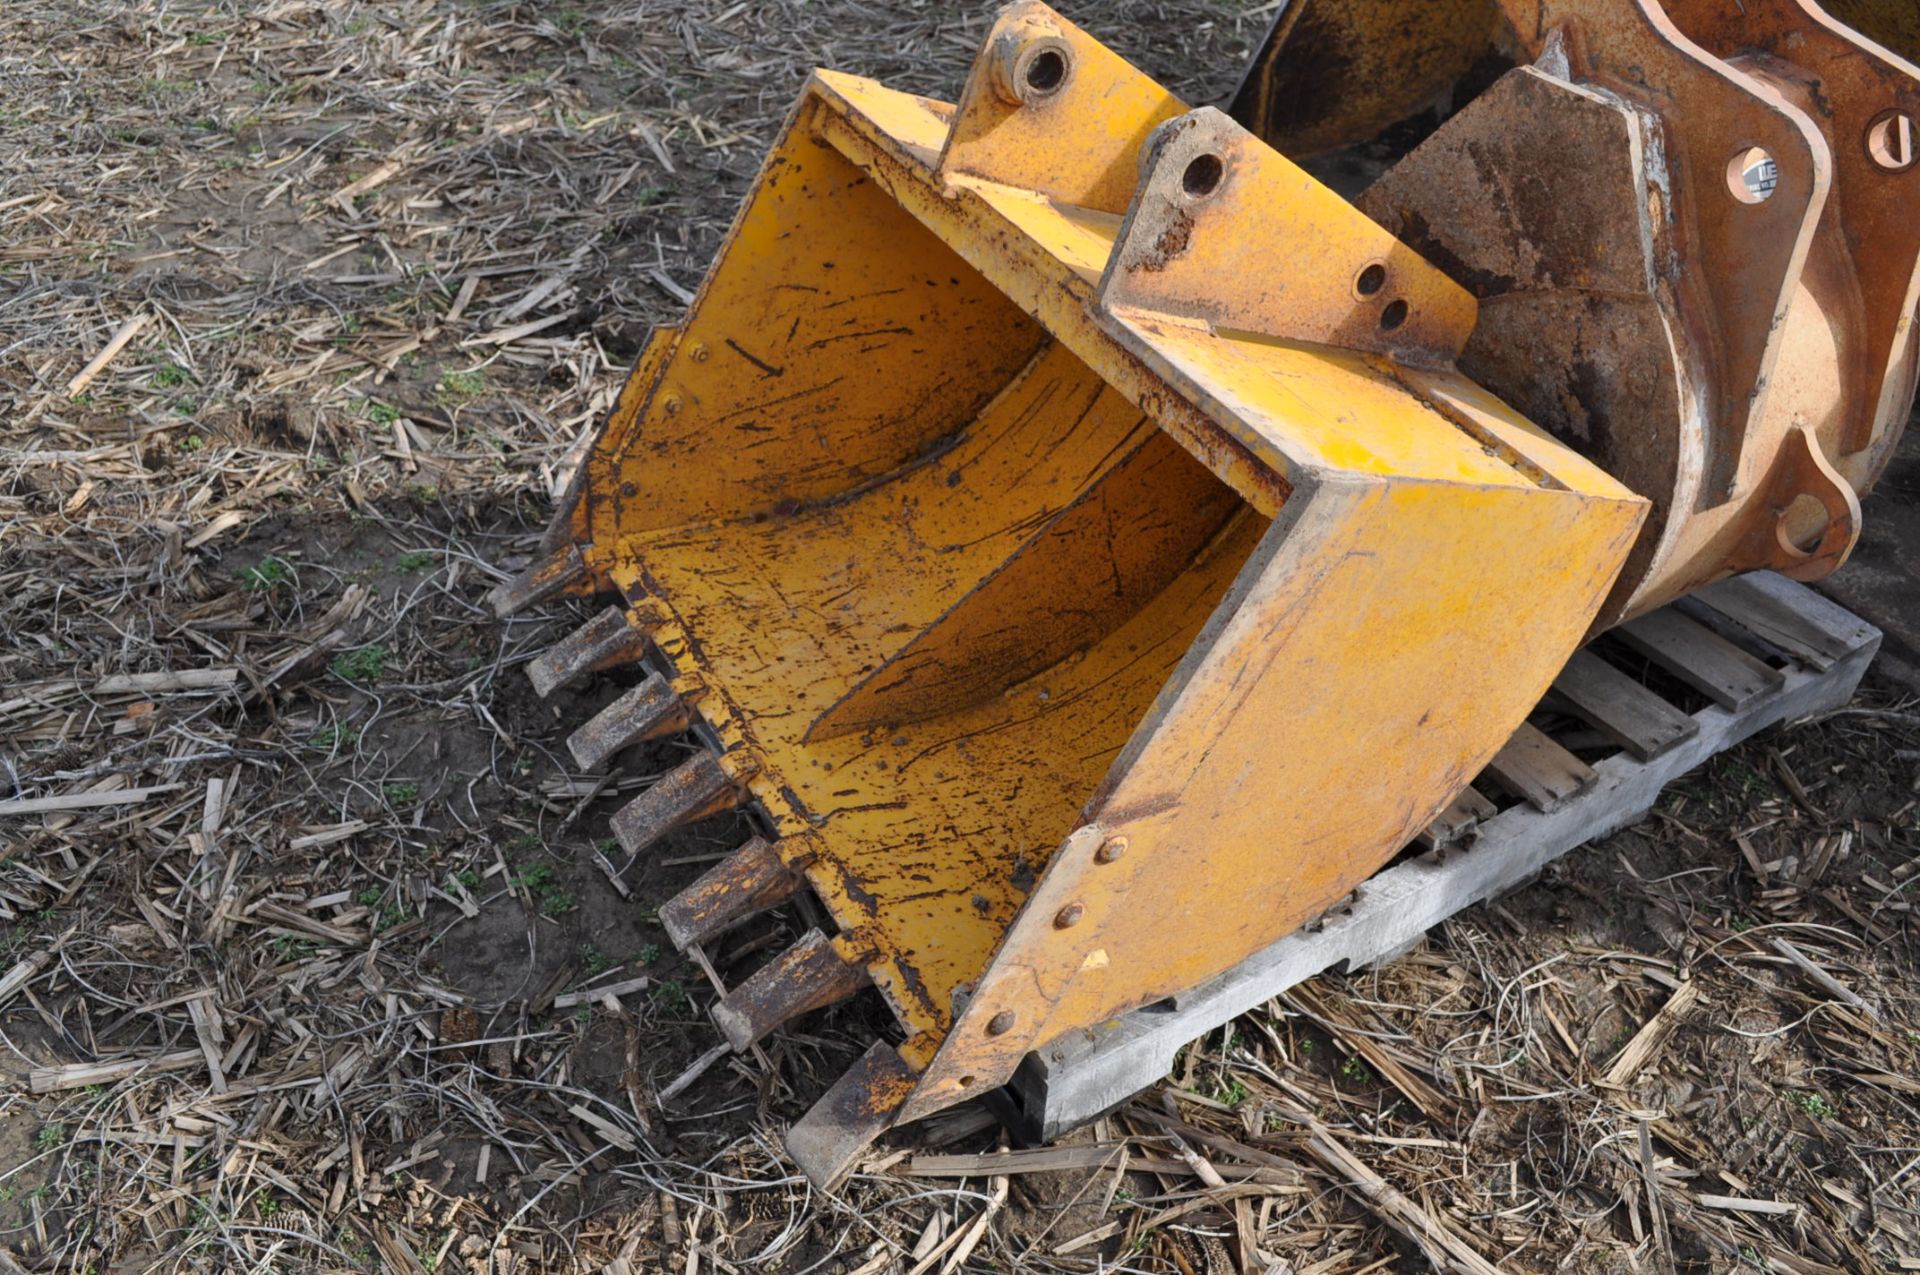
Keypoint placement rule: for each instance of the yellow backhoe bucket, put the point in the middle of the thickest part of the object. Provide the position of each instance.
(1063, 522)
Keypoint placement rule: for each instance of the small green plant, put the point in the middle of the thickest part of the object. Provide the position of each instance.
(265, 576)
(543, 887)
(400, 794)
(460, 387)
(382, 413)
(648, 954)
(201, 39)
(669, 994)
(523, 765)
(1356, 1071)
(50, 1137)
(1815, 1105)
(593, 961)
(169, 377)
(291, 947)
(468, 879)
(192, 442)
(416, 560)
(333, 737)
(1233, 1093)
(386, 914)
(362, 664)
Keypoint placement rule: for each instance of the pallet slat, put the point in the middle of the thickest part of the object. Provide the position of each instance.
(1535, 768)
(1782, 619)
(1701, 658)
(1457, 822)
(1630, 714)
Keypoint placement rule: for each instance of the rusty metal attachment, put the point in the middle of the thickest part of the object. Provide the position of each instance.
(1052, 502)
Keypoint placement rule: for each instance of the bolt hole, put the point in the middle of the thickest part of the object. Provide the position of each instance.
(1752, 176)
(1202, 176)
(1046, 71)
(1370, 280)
(1890, 141)
(1393, 316)
(1804, 523)
(966, 1082)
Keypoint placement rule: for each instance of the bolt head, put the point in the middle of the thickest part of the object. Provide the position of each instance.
(1069, 916)
(1110, 849)
(1001, 1023)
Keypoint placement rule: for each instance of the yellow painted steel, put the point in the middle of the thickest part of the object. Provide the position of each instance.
(980, 569)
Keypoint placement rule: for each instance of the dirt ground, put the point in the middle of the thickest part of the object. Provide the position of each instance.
(310, 975)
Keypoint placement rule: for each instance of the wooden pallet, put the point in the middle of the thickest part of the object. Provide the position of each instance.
(1638, 709)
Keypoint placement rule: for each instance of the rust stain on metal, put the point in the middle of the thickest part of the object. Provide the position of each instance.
(809, 975)
(696, 788)
(1171, 241)
(748, 881)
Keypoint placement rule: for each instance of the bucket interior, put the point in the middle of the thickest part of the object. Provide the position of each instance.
(941, 658)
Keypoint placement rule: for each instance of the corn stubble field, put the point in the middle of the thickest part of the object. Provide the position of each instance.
(316, 955)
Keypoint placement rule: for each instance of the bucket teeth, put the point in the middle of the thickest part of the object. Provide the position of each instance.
(809, 975)
(748, 881)
(860, 1107)
(698, 787)
(615, 636)
(651, 710)
(545, 579)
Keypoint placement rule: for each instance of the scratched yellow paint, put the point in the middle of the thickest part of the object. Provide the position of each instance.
(975, 573)
(1019, 143)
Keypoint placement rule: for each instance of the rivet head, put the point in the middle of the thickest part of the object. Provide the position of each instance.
(1069, 916)
(1001, 1023)
(670, 404)
(629, 490)
(1110, 849)
(697, 351)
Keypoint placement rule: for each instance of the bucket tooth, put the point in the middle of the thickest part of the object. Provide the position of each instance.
(809, 975)
(615, 636)
(698, 787)
(651, 710)
(748, 881)
(546, 579)
(860, 1107)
